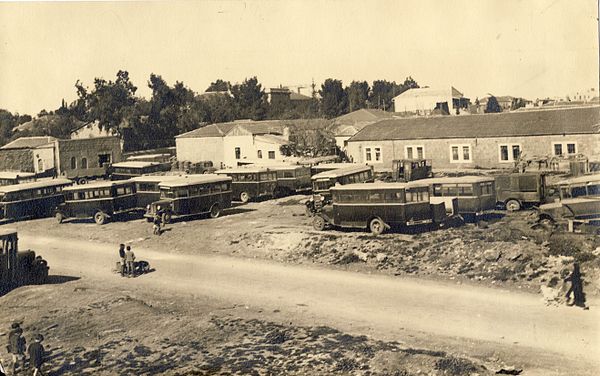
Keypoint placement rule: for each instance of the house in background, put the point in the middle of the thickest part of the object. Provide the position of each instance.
(229, 144)
(74, 159)
(283, 97)
(481, 141)
(89, 130)
(346, 126)
(427, 101)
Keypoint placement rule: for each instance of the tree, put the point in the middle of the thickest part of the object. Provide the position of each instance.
(492, 105)
(109, 102)
(219, 85)
(250, 100)
(358, 94)
(384, 91)
(517, 103)
(220, 108)
(334, 101)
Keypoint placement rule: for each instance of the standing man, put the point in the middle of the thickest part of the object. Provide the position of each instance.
(130, 260)
(36, 355)
(122, 257)
(16, 346)
(157, 224)
(576, 287)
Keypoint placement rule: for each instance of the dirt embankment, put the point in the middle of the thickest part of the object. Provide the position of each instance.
(110, 330)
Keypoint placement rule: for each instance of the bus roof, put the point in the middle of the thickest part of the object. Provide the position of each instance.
(242, 170)
(347, 170)
(35, 185)
(334, 166)
(147, 156)
(195, 179)
(100, 184)
(157, 178)
(376, 185)
(284, 167)
(135, 164)
(585, 179)
(470, 179)
(15, 174)
(7, 231)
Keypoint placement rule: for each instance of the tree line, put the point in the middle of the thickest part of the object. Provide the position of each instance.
(172, 110)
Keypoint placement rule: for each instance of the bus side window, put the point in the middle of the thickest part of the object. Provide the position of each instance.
(578, 191)
(593, 190)
(465, 190)
(375, 197)
(437, 190)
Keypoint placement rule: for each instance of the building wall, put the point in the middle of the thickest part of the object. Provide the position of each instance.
(485, 152)
(89, 148)
(246, 145)
(16, 160)
(200, 149)
(43, 158)
(265, 147)
(420, 104)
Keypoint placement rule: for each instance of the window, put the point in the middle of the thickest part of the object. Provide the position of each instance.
(486, 188)
(460, 153)
(271, 154)
(510, 153)
(465, 190)
(373, 154)
(375, 197)
(288, 174)
(73, 163)
(578, 191)
(84, 162)
(414, 152)
(559, 148)
(259, 154)
(104, 159)
(593, 190)
(40, 165)
(238, 153)
(394, 196)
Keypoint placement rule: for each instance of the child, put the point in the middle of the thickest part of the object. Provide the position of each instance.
(36, 355)
(16, 346)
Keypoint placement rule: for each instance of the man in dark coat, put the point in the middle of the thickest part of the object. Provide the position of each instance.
(36, 355)
(576, 287)
(16, 346)
(122, 257)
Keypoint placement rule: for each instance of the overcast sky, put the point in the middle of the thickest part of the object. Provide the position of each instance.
(530, 48)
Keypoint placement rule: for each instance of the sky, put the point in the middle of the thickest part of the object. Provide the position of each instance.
(528, 48)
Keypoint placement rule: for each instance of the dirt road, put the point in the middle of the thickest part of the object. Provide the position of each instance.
(381, 306)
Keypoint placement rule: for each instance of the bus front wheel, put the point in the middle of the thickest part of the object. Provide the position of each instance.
(319, 223)
(166, 218)
(59, 217)
(376, 226)
(215, 211)
(244, 197)
(513, 205)
(100, 218)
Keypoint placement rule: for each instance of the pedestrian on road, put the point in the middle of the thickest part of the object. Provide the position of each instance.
(122, 257)
(16, 346)
(130, 261)
(36, 355)
(576, 287)
(157, 223)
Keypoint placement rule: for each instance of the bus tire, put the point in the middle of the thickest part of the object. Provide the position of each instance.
(319, 223)
(166, 218)
(81, 181)
(513, 205)
(244, 197)
(59, 217)
(100, 218)
(376, 226)
(215, 211)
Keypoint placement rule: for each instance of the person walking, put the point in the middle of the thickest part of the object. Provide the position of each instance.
(576, 287)
(122, 257)
(16, 346)
(36, 355)
(130, 261)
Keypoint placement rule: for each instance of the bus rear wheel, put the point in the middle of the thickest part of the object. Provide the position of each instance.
(59, 217)
(166, 218)
(215, 211)
(376, 226)
(513, 205)
(100, 218)
(244, 197)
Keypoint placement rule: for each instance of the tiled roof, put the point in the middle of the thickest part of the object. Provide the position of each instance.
(29, 142)
(363, 115)
(221, 129)
(299, 97)
(583, 120)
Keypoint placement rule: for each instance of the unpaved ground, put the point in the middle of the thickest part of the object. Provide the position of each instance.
(508, 252)
(107, 328)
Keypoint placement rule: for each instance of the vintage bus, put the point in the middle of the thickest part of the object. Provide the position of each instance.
(128, 170)
(581, 208)
(31, 200)
(250, 183)
(515, 191)
(192, 195)
(322, 167)
(404, 170)
(100, 201)
(323, 181)
(379, 206)
(586, 185)
(147, 188)
(11, 177)
(476, 194)
(291, 179)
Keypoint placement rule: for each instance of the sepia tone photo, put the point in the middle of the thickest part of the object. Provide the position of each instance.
(366, 188)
